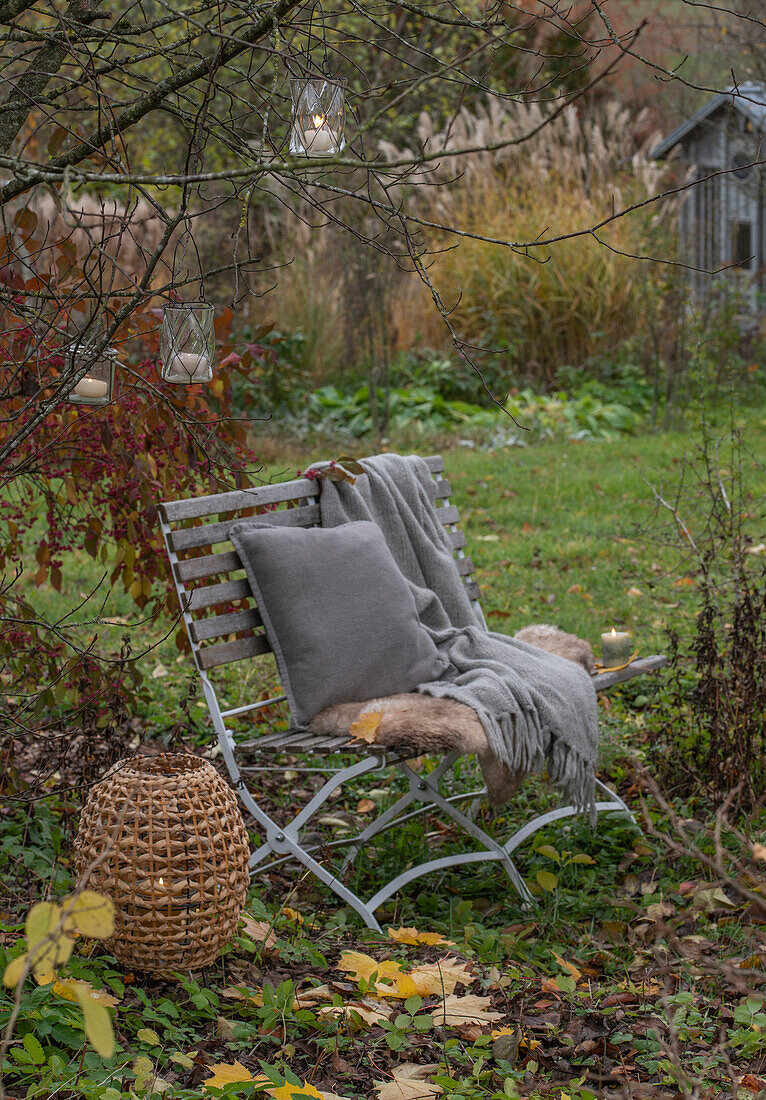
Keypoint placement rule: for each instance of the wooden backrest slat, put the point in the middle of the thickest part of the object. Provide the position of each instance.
(465, 566)
(192, 538)
(215, 655)
(448, 514)
(215, 626)
(435, 464)
(213, 594)
(457, 539)
(443, 489)
(221, 503)
(194, 569)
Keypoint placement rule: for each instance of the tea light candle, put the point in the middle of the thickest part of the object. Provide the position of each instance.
(320, 142)
(190, 365)
(91, 387)
(615, 648)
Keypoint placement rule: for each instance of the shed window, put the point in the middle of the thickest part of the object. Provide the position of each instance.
(741, 244)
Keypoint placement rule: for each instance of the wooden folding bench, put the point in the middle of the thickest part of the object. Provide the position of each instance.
(210, 579)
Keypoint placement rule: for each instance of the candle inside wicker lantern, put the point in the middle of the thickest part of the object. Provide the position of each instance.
(177, 857)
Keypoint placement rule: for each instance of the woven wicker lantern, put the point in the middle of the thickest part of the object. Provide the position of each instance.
(177, 857)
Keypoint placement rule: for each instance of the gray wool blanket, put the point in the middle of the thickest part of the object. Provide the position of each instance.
(538, 710)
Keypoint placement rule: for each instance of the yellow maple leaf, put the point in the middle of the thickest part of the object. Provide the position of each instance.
(361, 967)
(433, 978)
(68, 989)
(464, 1010)
(288, 1091)
(413, 936)
(365, 728)
(226, 1073)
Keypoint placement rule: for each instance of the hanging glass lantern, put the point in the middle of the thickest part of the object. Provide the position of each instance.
(187, 342)
(97, 384)
(319, 116)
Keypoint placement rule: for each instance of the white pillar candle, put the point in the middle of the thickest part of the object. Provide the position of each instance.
(615, 648)
(320, 142)
(91, 387)
(189, 365)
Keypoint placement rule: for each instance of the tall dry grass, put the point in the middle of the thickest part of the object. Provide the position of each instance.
(539, 306)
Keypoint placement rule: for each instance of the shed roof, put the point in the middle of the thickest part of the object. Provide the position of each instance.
(749, 99)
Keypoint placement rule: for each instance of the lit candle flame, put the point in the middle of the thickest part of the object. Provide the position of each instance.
(162, 881)
(614, 635)
(318, 121)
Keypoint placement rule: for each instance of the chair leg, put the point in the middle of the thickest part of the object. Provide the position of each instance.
(614, 805)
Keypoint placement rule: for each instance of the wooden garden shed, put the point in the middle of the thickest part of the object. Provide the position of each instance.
(722, 219)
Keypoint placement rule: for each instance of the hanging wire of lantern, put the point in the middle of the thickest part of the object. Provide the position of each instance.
(319, 102)
(96, 387)
(187, 335)
(319, 116)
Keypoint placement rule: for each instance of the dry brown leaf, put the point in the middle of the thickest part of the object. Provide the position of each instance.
(368, 1012)
(365, 728)
(465, 1010)
(759, 851)
(409, 1083)
(413, 936)
(259, 930)
(570, 967)
(307, 998)
(365, 806)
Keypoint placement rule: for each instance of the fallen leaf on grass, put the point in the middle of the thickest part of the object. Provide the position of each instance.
(365, 728)
(712, 897)
(288, 1091)
(569, 967)
(259, 930)
(67, 990)
(433, 978)
(227, 1073)
(365, 806)
(238, 993)
(759, 851)
(368, 1013)
(409, 1083)
(413, 936)
(361, 967)
(464, 1010)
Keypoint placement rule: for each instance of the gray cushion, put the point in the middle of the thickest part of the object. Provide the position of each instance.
(338, 613)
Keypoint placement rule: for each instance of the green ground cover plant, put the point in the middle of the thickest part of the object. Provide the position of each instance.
(641, 967)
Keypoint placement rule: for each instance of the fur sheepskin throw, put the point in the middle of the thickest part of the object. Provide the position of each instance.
(425, 724)
(569, 646)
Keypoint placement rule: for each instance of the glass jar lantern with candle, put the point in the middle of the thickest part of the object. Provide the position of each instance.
(187, 342)
(97, 384)
(319, 116)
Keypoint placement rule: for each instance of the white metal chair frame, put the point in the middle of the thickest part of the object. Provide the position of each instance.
(195, 567)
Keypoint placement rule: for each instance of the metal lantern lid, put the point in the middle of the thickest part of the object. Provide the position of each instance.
(319, 116)
(187, 342)
(96, 387)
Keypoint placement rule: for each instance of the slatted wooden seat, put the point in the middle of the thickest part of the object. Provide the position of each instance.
(224, 627)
